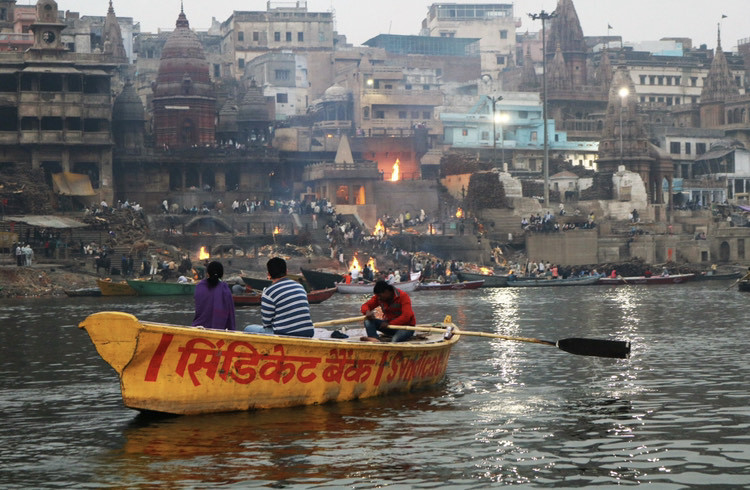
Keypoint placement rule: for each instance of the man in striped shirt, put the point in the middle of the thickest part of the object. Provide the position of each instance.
(283, 306)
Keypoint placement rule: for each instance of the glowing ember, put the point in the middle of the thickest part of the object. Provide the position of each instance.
(276, 230)
(459, 213)
(447, 272)
(354, 266)
(396, 175)
(203, 254)
(486, 271)
(379, 229)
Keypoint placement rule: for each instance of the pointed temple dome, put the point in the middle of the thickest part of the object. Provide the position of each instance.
(566, 30)
(253, 107)
(184, 102)
(128, 106)
(183, 69)
(719, 84)
(113, 44)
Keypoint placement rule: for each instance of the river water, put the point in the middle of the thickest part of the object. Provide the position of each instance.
(676, 414)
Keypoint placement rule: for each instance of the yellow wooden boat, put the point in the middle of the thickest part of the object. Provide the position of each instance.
(189, 370)
(110, 288)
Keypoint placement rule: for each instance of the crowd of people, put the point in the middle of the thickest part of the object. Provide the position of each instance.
(547, 223)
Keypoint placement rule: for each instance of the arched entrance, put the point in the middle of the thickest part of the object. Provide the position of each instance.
(724, 252)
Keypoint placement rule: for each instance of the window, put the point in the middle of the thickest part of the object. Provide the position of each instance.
(669, 80)
(674, 148)
(688, 148)
(217, 71)
(503, 34)
(402, 114)
(652, 80)
(677, 80)
(301, 36)
(485, 135)
(241, 63)
(282, 98)
(426, 115)
(500, 59)
(534, 136)
(277, 36)
(256, 36)
(661, 80)
(288, 37)
(415, 114)
(425, 87)
(464, 132)
(643, 79)
(240, 36)
(693, 81)
(700, 148)
(379, 114)
(281, 74)
(523, 114)
(408, 86)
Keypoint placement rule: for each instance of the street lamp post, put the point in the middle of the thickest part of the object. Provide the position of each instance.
(501, 119)
(494, 100)
(623, 93)
(544, 17)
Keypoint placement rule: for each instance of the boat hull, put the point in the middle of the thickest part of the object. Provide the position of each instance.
(717, 277)
(83, 292)
(489, 281)
(187, 370)
(261, 284)
(313, 297)
(675, 279)
(366, 288)
(321, 279)
(157, 288)
(109, 288)
(456, 286)
(530, 283)
(744, 286)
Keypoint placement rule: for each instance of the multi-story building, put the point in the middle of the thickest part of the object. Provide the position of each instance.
(517, 127)
(283, 76)
(56, 107)
(492, 23)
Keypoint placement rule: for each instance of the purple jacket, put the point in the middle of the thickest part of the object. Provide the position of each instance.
(214, 307)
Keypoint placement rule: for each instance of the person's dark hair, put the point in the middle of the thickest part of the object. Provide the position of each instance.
(381, 287)
(276, 267)
(214, 271)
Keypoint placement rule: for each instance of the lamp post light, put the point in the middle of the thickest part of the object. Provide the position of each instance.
(544, 17)
(494, 100)
(501, 119)
(623, 93)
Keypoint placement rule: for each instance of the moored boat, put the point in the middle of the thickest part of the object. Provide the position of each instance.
(83, 292)
(673, 279)
(366, 288)
(717, 277)
(313, 297)
(261, 284)
(318, 279)
(187, 370)
(159, 288)
(498, 281)
(110, 288)
(437, 286)
(571, 281)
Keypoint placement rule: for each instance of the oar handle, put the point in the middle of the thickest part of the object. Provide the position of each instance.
(340, 321)
(458, 331)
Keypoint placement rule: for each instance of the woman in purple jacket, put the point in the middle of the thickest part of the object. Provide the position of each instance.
(214, 307)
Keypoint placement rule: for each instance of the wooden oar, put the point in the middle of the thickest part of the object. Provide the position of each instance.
(615, 349)
(340, 321)
(736, 282)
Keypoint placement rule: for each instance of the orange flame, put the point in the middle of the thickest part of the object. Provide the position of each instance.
(396, 175)
(459, 213)
(354, 266)
(203, 254)
(486, 271)
(371, 265)
(276, 230)
(379, 228)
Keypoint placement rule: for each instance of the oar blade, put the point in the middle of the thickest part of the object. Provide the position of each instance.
(614, 349)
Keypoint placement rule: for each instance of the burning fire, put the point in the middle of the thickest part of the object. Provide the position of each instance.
(203, 254)
(379, 228)
(486, 271)
(354, 266)
(371, 264)
(396, 175)
(277, 230)
(459, 213)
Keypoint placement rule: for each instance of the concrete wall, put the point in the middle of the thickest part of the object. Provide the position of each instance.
(393, 198)
(576, 247)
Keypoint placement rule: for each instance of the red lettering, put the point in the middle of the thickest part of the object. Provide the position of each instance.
(153, 366)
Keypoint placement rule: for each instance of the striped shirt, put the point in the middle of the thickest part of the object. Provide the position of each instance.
(284, 307)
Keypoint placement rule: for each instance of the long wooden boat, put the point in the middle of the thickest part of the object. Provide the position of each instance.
(313, 297)
(571, 281)
(499, 281)
(366, 288)
(318, 279)
(159, 288)
(83, 292)
(673, 279)
(456, 286)
(187, 370)
(110, 288)
(744, 286)
(717, 277)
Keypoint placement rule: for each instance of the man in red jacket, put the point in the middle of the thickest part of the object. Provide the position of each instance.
(396, 307)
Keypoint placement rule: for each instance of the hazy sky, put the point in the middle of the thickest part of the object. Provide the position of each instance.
(635, 20)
